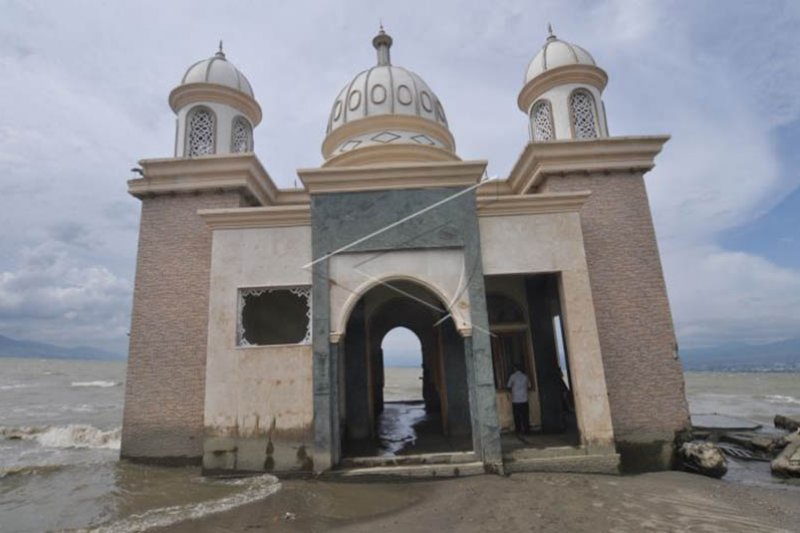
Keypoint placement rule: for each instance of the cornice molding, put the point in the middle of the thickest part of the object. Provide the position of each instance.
(380, 123)
(382, 154)
(183, 95)
(609, 154)
(202, 173)
(531, 204)
(279, 216)
(584, 74)
(398, 176)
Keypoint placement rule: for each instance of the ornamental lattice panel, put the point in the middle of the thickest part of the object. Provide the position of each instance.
(542, 122)
(201, 132)
(581, 104)
(240, 136)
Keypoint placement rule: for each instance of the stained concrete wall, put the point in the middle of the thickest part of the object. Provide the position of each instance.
(165, 384)
(645, 378)
(554, 243)
(258, 405)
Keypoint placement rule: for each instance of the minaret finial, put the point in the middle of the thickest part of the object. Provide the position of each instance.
(551, 35)
(382, 42)
(220, 53)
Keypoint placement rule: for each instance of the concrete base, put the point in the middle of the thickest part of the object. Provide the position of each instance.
(427, 471)
(563, 459)
(409, 460)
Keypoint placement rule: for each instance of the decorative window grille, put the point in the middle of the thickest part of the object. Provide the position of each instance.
(201, 132)
(542, 122)
(269, 316)
(241, 136)
(582, 109)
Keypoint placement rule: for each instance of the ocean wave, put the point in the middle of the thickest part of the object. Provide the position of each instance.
(102, 384)
(256, 488)
(14, 386)
(28, 470)
(71, 436)
(778, 398)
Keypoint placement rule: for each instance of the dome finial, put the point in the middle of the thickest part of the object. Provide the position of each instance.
(220, 53)
(382, 42)
(551, 36)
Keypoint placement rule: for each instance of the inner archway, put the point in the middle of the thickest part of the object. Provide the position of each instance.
(403, 368)
(405, 381)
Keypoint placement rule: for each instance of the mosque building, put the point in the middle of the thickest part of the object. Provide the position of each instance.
(259, 312)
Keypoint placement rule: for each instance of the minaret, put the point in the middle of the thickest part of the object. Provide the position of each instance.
(563, 93)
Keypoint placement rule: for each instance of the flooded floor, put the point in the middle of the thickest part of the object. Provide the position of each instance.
(404, 428)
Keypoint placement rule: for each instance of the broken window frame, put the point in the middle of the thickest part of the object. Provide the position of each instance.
(303, 291)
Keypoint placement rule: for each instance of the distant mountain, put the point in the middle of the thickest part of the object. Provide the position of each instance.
(18, 348)
(776, 356)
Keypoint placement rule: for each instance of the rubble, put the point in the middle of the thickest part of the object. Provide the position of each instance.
(703, 458)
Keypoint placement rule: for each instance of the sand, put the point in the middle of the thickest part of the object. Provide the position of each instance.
(663, 501)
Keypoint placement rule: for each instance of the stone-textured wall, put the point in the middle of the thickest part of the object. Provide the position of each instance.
(339, 219)
(165, 385)
(644, 376)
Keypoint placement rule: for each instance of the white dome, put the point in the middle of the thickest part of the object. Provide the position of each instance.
(385, 89)
(557, 53)
(219, 71)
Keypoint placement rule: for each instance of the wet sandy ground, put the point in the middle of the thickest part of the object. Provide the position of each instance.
(663, 501)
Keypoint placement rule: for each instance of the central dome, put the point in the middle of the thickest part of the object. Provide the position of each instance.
(387, 105)
(385, 89)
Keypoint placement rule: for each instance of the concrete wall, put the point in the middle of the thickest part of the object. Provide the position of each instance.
(645, 378)
(165, 385)
(258, 405)
(554, 243)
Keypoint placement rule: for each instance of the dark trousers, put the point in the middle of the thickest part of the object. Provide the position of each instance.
(521, 417)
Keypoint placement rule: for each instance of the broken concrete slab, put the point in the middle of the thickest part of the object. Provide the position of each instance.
(787, 463)
(784, 422)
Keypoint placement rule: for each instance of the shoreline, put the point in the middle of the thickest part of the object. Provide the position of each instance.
(660, 501)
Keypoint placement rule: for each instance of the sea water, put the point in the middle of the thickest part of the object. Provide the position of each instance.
(60, 425)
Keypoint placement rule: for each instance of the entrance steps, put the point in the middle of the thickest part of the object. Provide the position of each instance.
(428, 465)
(562, 459)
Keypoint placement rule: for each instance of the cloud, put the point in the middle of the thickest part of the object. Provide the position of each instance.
(84, 97)
(52, 297)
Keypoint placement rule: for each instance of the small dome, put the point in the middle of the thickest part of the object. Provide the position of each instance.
(557, 53)
(385, 89)
(219, 71)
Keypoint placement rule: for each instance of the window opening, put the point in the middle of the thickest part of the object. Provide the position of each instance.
(274, 316)
(542, 122)
(201, 132)
(241, 136)
(581, 104)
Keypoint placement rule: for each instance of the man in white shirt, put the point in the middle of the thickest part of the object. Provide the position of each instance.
(519, 384)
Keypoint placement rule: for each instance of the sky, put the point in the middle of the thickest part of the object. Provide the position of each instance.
(83, 97)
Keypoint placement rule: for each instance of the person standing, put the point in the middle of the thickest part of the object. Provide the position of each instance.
(519, 384)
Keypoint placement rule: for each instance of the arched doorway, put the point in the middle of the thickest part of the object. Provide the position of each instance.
(402, 359)
(377, 421)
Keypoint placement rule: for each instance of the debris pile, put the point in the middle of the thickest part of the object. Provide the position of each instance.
(714, 436)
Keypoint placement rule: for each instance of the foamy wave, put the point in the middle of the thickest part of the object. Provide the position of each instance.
(29, 470)
(103, 384)
(777, 398)
(257, 488)
(71, 436)
(14, 386)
